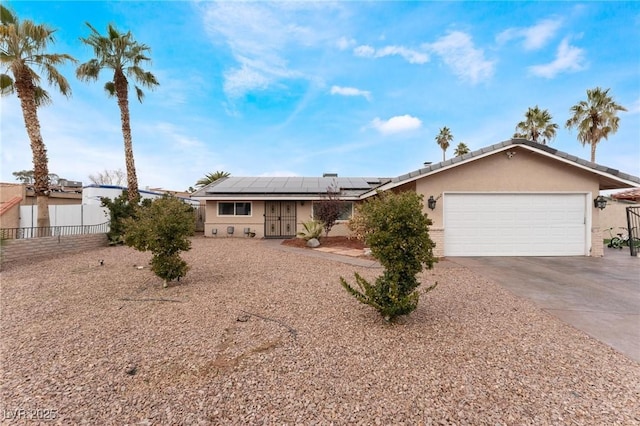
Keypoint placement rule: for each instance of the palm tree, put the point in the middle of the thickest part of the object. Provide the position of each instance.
(443, 139)
(210, 178)
(23, 44)
(121, 53)
(537, 126)
(461, 149)
(595, 118)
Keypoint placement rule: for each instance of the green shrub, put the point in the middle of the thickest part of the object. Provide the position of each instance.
(119, 210)
(397, 232)
(162, 227)
(312, 229)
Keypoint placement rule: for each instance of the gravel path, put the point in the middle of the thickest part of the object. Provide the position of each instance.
(259, 335)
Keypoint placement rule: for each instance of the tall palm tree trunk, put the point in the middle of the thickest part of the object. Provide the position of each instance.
(26, 94)
(593, 151)
(122, 92)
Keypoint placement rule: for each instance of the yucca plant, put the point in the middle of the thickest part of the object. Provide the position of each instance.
(312, 229)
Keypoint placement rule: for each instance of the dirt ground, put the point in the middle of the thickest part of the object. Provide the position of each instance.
(262, 334)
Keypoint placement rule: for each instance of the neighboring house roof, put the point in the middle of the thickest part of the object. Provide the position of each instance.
(299, 188)
(631, 194)
(609, 178)
(6, 206)
(154, 192)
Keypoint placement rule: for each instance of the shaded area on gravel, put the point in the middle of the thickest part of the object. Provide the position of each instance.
(256, 335)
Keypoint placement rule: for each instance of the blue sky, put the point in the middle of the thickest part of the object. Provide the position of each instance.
(354, 88)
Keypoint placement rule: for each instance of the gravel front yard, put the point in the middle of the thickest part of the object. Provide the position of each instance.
(260, 335)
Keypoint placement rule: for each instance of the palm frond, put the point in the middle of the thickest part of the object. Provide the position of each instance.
(7, 16)
(6, 84)
(139, 94)
(89, 70)
(110, 88)
(41, 97)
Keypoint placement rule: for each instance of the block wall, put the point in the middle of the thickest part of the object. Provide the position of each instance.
(29, 249)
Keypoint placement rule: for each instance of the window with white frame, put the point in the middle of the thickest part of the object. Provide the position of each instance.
(346, 210)
(234, 208)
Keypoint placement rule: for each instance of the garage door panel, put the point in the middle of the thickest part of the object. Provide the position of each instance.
(515, 224)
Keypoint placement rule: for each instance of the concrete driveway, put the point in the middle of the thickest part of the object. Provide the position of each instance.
(599, 295)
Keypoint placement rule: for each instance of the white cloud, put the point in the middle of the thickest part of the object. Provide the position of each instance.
(175, 137)
(238, 81)
(397, 124)
(467, 62)
(350, 91)
(568, 59)
(410, 55)
(634, 108)
(535, 37)
(260, 35)
(365, 50)
(344, 43)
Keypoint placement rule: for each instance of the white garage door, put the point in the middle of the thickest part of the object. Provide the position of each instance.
(515, 225)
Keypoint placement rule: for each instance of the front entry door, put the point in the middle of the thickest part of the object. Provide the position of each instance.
(280, 219)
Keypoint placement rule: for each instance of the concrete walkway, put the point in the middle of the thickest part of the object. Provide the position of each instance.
(600, 296)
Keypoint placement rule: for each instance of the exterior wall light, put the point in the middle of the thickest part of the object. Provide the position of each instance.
(431, 202)
(600, 202)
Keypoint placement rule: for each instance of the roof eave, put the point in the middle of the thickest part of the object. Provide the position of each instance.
(602, 171)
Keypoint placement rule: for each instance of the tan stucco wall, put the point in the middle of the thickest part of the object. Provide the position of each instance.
(10, 190)
(256, 220)
(11, 216)
(614, 216)
(524, 172)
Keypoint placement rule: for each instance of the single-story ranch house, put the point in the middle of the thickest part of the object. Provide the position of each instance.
(515, 198)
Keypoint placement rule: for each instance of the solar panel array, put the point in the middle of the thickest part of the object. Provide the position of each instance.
(291, 185)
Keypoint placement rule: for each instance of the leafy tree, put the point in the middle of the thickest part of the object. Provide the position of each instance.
(596, 118)
(443, 139)
(120, 209)
(329, 209)
(109, 177)
(461, 149)
(23, 44)
(24, 176)
(123, 55)
(537, 126)
(27, 177)
(162, 227)
(397, 231)
(210, 178)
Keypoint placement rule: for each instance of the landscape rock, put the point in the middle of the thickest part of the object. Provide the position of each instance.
(313, 243)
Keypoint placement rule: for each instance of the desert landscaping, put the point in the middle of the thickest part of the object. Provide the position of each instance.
(260, 333)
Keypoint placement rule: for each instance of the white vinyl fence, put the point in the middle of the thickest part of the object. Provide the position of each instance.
(70, 215)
